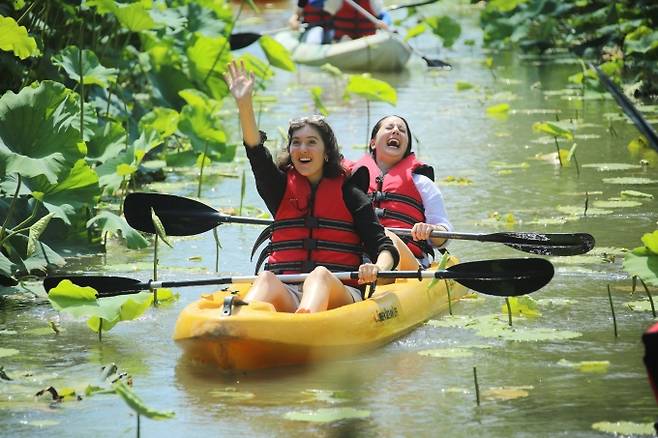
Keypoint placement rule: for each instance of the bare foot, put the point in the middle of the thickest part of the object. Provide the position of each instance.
(302, 310)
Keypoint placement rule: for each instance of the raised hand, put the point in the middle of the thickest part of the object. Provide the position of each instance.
(240, 81)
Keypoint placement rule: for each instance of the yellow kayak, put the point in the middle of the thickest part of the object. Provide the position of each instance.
(255, 336)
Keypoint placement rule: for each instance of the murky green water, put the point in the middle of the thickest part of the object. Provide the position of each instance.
(405, 394)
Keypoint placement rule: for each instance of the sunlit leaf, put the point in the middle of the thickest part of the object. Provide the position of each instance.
(137, 404)
(163, 120)
(506, 393)
(316, 95)
(635, 194)
(371, 89)
(639, 306)
(119, 308)
(463, 85)
(447, 353)
(6, 352)
(615, 204)
(630, 181)
(134, 16)
(500, 110)
(552, 129)
(332, 70)
(522, 306)
(325, 396)
(625, 428)
(326, 415)
(93, 72)
(578, 210)
(415, 31)
(231, 394)
(641, 40)
(14, 38)
(445, 27)
(588, 366)
(457, 181)
(159, 228)
(276, 54)
(111, 223)
(650, 241)
(603, 167)
(36, 230)
(643, 263)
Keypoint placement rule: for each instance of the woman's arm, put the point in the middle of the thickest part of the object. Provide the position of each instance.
(435, 212)
(241, 85)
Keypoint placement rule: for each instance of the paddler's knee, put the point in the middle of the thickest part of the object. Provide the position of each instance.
(320, 273)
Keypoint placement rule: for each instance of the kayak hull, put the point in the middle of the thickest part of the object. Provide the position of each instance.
(380, 52)
(255, 336)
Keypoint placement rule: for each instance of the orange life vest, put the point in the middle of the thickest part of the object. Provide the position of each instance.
(306, 234)
(396, 199)
(348, 21)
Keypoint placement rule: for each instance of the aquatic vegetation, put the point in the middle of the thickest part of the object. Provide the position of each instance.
(327, 415)
(587, 366)
(625, 428)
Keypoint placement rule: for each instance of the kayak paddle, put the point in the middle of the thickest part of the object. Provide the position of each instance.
(184, 217)
(628, 108)
(502, 277)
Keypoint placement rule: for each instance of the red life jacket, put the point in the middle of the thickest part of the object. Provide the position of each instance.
(306, 234)
(348, 21)
(396, 198)
(650, 339)
(316, 16)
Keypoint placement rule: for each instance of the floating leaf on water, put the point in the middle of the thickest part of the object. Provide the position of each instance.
(455, 181)
(550, 221)
(504, 172)
(8, 332)
(462, 85)
(606, 167)
(40, 331)
(639, 306)
(504, 165)
(587, 366)
(326, 396)
(6, 352)
(630, 181)
(522, 306)
(498, 112)
(231, 394)
(625, 428)
(447, 353)
(635, 194)
(136, 403)
(578, 210)
(506, 393)
(553, 129)
(326, 415)
(455, 390)
(195, 258)
(615, 204)
(642, 263)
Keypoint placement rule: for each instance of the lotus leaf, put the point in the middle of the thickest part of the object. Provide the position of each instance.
(445, 27)
(650, 241)
(506, 393)
(135, 17)
(630, 180)
(93, 72)
(371, 89)
(163, 120)
(625, 428)
(37, 133)
(415, 31)
(111, 223)
(203, 69)
(641, 41)
(611, 203)
(316, 95)
(120, 308)
(326, 415)
(231, 394)
(137, 404)
(643, 263)
(602, 167)
(276, 54)
(635, 194)
(14, 38)
(522, 306)
(107, 141)
(499, 111)
(639, 306)
(552, 129)
(6, 352)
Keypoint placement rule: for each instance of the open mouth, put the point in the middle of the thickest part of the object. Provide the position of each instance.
(305, 160)
(393, 142)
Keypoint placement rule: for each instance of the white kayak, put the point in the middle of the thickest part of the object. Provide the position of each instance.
(379, 52)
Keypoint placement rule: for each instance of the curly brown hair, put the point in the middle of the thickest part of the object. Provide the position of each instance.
(333, 165)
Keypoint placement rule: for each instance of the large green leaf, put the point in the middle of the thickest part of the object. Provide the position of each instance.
(135, 17)
(202, 55)
(163, 120)
(201, 124)
(111, 223)
(37, 133)
(7, 268)
(78, 190)
(121, 308)
(446, 28)
(137, 404)
(415, 31)
(108, 141)
(276, 54)
(14, 38)
(36, 230)
(371, 89)
(641, 40)
(92, 70)
(552, 129)
(643, 263)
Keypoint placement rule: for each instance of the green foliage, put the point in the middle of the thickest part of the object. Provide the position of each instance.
(371, 89)
(415, 31)
(14, 38)
(137, 404)
(446, 28)
(552, 129)
(112, 224)
(276, 54)
(92, 71)
(643, 260)
(316, 95)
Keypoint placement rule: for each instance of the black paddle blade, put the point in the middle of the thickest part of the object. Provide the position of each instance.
(103, 285)
(437, 63)
(554, 244)
(242, 40)
(179, 216)
(504, 277)
(629, 109)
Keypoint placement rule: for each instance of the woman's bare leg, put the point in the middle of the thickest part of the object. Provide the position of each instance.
(270, 289)
(322, 291)
(408, 261)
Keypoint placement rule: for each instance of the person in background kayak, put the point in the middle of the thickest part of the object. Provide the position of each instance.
(323, 220)
(337, 20)
(403, 191)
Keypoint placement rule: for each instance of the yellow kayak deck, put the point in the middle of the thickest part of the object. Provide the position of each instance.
(255, 336)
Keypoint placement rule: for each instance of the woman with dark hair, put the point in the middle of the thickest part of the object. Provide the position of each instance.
(403, 192)
(323, 221)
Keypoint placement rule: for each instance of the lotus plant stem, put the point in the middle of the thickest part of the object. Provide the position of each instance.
(203, 162)
(23, 225)
(11, 206)
(26, 12)
(612, 309)
(575, 161)
(155, 258)
(586, 203)
(223, 48)
(477, 386)
(449, 298)
(109, 100)
(557, 147)
(509, 312)
(82, 78)
(653, 309)
(218, 246)
(138, 424)
(100, 330)
(243, 187)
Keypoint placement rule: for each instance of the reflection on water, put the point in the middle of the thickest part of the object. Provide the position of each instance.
(405, 394)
